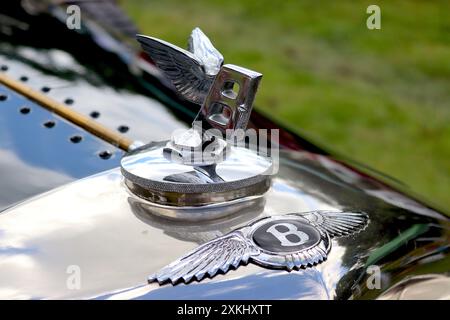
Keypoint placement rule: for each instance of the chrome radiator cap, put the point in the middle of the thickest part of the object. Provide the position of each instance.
(217, 161)
(151, 176)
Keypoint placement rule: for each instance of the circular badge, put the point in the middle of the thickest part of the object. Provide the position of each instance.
(290, 241)
(286, 235)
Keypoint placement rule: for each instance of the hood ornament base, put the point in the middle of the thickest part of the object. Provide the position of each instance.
(215, 162)
(151, 176)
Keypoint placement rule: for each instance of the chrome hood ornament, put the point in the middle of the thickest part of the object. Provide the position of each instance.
(200, 45)
(291, 241)
(217, 161)
(191, 71)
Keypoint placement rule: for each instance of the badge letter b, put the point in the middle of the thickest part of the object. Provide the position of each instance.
(292, 231)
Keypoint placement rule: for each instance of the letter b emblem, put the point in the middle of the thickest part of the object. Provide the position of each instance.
(289, 238)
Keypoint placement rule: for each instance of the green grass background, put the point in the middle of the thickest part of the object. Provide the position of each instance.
(382, 97)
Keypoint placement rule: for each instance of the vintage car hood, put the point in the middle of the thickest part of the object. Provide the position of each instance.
(112, 237)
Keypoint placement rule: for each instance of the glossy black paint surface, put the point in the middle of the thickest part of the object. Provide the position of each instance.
(40, 151)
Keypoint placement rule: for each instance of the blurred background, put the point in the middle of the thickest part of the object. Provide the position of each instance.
(381, 97)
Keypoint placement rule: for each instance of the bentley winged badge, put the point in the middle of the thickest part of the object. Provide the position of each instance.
(290, 241)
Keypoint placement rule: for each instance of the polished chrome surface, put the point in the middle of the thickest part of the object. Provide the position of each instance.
(96, 224)
(230, 209)
(218, 255)
(191, 72)
(222, 119)
(196, 147)
(148, 163)
(202, 48)
(422, 287)
(262, 242)
(229, 102)
(154, 177)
